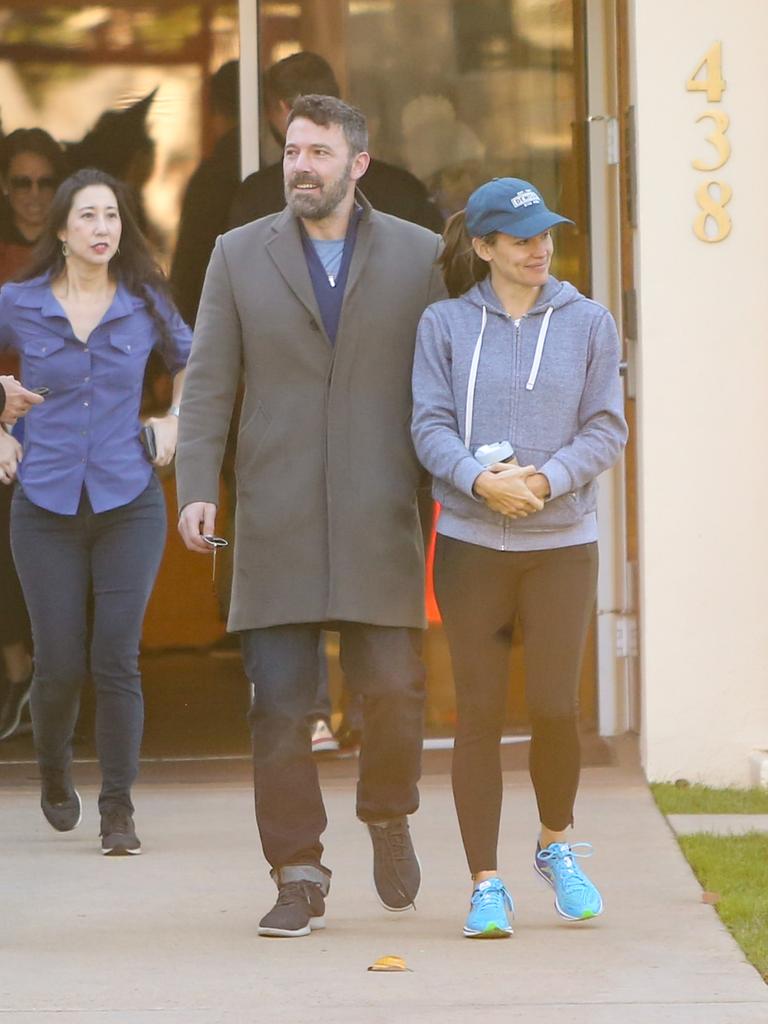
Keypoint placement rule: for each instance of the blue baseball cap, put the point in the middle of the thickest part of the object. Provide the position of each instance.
(509, 205)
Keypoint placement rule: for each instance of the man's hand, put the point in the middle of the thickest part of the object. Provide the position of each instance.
(166, 430)
(18, 400)
(197, 518)
(504, 489)
(10, 457)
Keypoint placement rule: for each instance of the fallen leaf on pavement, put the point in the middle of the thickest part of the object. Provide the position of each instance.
(389, 963)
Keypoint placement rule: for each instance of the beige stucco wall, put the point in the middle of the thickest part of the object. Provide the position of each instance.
(703, 396)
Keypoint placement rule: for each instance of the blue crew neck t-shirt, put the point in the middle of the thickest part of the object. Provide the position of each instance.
(330, 253)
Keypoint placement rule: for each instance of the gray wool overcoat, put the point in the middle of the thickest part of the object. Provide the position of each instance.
(326, 526)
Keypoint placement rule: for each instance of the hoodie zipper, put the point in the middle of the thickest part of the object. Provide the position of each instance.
(515, 373)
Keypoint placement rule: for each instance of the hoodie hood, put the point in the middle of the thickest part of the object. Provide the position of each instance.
(554, 294)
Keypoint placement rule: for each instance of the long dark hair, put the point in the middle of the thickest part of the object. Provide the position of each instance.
(461, 265)
(133, 264)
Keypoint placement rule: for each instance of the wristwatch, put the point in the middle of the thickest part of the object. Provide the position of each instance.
(174, 410)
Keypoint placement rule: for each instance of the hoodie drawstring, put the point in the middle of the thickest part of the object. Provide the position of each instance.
(539, 348)
(471, 383)
(472, 380)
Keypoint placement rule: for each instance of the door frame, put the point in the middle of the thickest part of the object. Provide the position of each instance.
(250, 86)
(607, 83)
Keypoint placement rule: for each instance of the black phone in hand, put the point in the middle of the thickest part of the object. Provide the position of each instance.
(149, 443)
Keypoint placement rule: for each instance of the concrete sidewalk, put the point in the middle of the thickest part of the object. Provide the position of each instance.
(170, 937)
(718, 824)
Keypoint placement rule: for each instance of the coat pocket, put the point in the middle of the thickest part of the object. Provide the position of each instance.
(254, 427)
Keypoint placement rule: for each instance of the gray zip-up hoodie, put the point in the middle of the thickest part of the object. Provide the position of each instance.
(548, 383)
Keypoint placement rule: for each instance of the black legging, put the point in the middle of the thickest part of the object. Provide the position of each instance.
(479, 591)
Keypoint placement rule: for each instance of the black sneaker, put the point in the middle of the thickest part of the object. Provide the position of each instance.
(396, 868)
(118, 834)
(349, 738)
(300, 909)
(60, 801)
(16, 699)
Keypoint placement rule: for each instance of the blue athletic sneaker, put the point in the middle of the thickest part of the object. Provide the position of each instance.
(489, 911)
(576, 898)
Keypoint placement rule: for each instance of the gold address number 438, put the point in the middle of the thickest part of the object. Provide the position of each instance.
(712, 223)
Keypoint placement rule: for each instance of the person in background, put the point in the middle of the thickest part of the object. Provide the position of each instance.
(209, 194)
(31, 167)
(88, 513)
(317, 307)
(387, 188)
(443, 151)
(517, 409)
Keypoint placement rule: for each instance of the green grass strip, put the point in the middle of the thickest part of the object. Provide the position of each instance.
(736, 867)
(675, 799)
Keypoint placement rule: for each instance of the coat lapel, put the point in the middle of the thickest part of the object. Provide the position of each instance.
(286, 250)
(362, 245)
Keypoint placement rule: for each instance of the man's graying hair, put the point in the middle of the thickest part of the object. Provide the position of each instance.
(326, 110)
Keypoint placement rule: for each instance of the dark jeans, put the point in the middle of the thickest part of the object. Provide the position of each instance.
(116, 555)
(14, 621)
(381, 663)
(351, 704)
(480, 591)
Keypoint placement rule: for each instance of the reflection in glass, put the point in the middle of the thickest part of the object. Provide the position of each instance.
(63, 66)
(457, 91)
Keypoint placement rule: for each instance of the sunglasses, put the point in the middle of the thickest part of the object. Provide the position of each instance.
(214, 543)
(23, 183)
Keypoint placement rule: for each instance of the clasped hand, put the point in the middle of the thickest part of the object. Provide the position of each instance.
(504, 489)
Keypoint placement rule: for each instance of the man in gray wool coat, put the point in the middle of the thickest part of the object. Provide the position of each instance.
(318, 307)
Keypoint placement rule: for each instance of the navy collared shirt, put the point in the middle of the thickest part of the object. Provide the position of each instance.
(86, 432)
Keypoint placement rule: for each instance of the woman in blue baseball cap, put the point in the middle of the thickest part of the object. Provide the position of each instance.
(517, 409)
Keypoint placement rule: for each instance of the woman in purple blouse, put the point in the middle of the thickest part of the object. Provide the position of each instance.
(88, 514)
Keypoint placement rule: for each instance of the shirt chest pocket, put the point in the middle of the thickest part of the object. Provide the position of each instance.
(47, 362)
(43, 347)
(125, 358)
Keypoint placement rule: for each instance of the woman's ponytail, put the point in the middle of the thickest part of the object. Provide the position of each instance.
(461, 265)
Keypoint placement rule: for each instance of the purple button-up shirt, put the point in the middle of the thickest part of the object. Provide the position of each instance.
(86, 432)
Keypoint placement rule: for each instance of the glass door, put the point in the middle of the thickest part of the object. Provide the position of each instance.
(457, 92)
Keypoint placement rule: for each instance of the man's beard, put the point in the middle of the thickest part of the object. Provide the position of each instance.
(316, 205)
